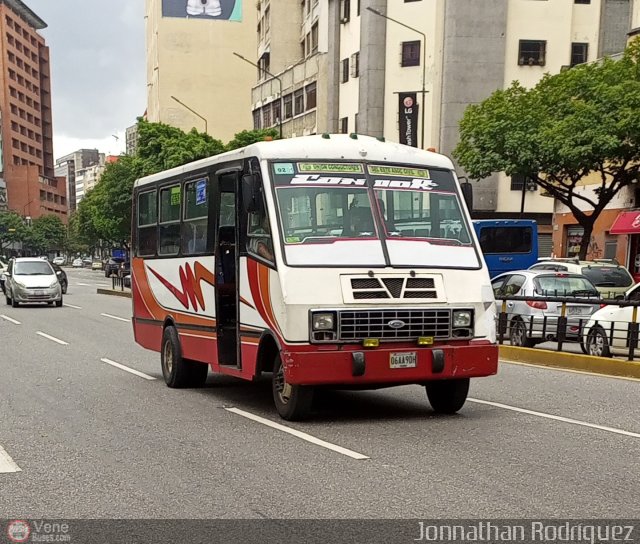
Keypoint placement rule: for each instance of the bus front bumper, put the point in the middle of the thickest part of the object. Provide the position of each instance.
(354, 365)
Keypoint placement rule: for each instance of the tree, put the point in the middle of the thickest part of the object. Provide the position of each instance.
(248, 137)
(46, 233)
(574, 124)
(12, 229)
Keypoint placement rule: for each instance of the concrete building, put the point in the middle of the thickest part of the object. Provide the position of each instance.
(25, 101)
(67, 167)
(292, 45)
(473, 47)
(131, 135)
(193, 78)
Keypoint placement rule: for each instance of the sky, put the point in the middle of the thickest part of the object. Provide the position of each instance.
(98, 73)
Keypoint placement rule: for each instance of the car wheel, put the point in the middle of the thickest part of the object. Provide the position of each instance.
(447, 396)
(64, 285)
(597, 343)
(14, 303)
(59, 303)
(8, 299)
(518, 335)
(293, 402)
(179, 372)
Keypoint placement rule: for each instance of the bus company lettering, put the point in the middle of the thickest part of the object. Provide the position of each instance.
(413, 184)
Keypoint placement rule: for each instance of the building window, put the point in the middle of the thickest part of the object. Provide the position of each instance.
(345, 70)
(582, 1)
(310, 91)
(298, 102)
(314, 38)
(411, 53)
(345, 11)
(579, 53)
(344, 125)
(276, 111)
(532, 52)
(266, 117)
(288, 106)
(257, 119)
(355, 65)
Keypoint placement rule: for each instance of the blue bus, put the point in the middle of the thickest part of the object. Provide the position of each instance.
(507, 244)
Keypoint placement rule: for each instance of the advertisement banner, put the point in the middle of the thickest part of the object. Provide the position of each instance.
(408, 112)
(224, 10)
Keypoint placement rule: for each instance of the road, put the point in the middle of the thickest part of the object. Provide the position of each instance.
(81, 437)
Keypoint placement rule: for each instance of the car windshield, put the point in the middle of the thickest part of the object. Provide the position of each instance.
(608, 276)
(346, 212)
(32, 268)
(564, 285)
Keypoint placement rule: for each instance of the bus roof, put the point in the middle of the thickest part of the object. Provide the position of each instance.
(319, 147)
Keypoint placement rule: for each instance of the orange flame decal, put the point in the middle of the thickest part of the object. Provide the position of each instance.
(191, 292)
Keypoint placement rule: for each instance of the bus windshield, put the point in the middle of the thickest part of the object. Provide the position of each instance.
(349, 214)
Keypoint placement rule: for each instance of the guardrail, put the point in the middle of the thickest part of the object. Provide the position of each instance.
(566, 325)
(117, 282)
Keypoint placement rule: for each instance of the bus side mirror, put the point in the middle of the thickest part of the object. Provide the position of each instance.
(467, 193)
(251, 192)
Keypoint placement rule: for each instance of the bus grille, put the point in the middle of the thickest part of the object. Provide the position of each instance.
(359, 324)
(374, 288)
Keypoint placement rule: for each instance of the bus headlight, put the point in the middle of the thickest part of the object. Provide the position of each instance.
(461, 319)
(323, 322)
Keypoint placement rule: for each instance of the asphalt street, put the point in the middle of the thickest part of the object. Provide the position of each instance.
(82, 436)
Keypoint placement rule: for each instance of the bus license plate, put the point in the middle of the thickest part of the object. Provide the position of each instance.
(403, 360)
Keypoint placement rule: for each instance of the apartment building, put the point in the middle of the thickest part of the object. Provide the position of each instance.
(291, 93)
(68, 166)
(131, 135)
(193, 77)
(25, 100)
(462, 50)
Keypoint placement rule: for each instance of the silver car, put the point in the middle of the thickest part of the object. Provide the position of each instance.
(32, 280)
(534, 321)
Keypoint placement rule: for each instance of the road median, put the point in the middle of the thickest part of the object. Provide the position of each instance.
(114, 292)
(571, 361)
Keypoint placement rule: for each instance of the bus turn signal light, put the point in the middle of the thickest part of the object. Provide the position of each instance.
(425, 341)
(371, 342)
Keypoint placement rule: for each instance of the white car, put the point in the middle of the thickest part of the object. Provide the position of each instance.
(77, 263)
(29, 280)
(607, 331)
(59, 261)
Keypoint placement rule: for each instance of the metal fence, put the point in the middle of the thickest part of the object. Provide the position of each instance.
(117, 282)
(601, 337)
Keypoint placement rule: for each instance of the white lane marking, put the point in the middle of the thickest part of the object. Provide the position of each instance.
(116, 317)
(10, 320)
(596, 374)
(85, 284)
(127, 369)
(556, 418)
(6, 463)
(72, 306)
(299, 434)
(52, 338)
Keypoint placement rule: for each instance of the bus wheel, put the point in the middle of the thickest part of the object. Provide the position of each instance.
(293, 402)
(447, 396)
(179, 372)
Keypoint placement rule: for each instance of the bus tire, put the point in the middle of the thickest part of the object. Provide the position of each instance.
(447, 396)
(177, 371)
(293, 402)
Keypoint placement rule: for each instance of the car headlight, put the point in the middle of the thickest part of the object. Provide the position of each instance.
(461, 319)
(20, 284)
(323, 322)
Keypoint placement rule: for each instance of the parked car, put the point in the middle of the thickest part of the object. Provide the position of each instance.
(607, 275)
(96, 265)
(607, 331)
(60, 261)
(3, 268)
(87, 262)
(30, 279)
(77, 263)
(112, 266)
(125, 269)
(62, 278)
(533, 321)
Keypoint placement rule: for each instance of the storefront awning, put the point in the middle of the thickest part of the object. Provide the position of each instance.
(626, 223)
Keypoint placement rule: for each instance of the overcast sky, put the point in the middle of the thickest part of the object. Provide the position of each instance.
(97, 70)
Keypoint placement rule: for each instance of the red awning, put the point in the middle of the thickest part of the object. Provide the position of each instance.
(626, 223)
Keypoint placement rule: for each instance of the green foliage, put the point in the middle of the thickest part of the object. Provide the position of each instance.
(46, 233)
(12, 229)
(570, 125)
(248, 137)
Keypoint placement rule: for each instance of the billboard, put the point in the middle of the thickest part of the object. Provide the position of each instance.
(408, 110)
(223, 10)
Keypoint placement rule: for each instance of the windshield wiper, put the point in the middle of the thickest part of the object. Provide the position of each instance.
(587, 292)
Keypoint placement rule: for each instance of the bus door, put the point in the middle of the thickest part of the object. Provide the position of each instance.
(226, 258)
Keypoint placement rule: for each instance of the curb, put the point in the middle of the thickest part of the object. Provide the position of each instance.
(114, 293)
(571, 361)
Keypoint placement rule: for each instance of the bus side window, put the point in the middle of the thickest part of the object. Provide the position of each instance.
(259, 241)
(170, 205)
(147, 232)
(195, 224)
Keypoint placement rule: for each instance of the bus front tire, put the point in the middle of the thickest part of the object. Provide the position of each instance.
(447, 396)
(293, 402)
(179, 372)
